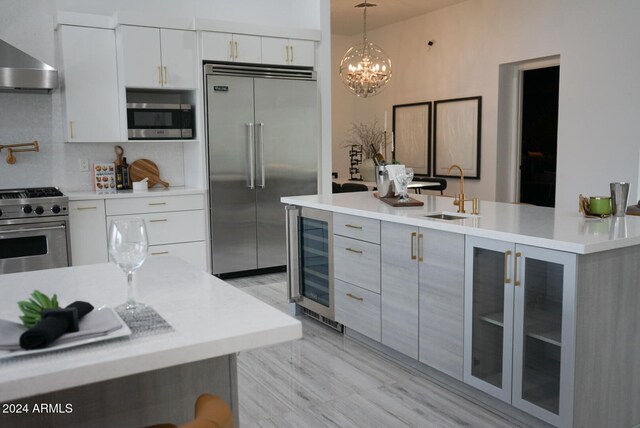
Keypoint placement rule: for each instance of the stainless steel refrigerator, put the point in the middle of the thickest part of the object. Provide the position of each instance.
(263, 133)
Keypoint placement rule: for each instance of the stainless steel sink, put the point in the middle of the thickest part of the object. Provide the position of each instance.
(446, 216)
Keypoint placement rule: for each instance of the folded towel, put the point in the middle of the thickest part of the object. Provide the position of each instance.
(395, 170)
(95, 324)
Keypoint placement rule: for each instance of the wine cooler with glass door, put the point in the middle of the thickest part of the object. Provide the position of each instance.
(310, 263)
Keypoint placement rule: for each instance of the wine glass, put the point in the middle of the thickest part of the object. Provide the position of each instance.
(405, 178)
(128, 244)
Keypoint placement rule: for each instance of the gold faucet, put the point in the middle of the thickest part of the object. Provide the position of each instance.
(459, 199)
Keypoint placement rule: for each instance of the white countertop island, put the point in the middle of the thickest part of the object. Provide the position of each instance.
(536, 307)
(522, 224)
(210, 319)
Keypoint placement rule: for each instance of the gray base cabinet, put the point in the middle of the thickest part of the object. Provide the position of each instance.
(356, 260)
(399, 284)
(442, 301)
(422, 282)
(358, 309)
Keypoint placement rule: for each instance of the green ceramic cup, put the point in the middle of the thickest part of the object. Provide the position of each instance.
(600, 205)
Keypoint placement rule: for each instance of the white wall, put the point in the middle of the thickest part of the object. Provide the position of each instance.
(599, 85)
(342, 110)
(27, 117)
(325, 72)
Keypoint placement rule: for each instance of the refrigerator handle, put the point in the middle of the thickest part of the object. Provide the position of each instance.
(251, 156)
(261, 142)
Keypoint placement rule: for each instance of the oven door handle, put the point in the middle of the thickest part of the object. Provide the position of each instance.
(32, 229)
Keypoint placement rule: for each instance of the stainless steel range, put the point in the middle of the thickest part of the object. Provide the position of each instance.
(34, 229)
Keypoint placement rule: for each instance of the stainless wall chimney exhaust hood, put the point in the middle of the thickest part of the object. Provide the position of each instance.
(22, 72)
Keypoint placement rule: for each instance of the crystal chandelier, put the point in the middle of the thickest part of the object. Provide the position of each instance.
(365, 69)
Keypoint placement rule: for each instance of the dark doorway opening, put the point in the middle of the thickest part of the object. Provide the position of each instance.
(539, 136)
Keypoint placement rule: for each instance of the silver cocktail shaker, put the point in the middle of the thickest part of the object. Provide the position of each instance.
(619, 198)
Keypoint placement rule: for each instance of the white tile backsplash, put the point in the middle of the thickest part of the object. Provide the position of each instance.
(27, 117)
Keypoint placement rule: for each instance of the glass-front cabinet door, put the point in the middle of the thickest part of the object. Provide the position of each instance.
(309, 259)
(488, 315)
(519, 326)
(544, 290)
(314, 259)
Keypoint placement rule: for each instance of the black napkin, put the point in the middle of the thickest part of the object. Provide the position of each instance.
(52, 327)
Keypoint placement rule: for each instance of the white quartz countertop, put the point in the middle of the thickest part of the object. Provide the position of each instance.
(156, 191)
(210, 317)
(522, 224)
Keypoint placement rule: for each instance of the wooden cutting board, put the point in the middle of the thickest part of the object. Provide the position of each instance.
(142, 168)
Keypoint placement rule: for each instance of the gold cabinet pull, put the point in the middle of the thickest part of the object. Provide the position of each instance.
(157, 203)
(230, 49)
(166, 78)
(413, 238)
(236, 44)
(354, 297)
(420, 237)
(291, 47)
(159, 75)
(352, 226)
(353, 251)
(72, 133)
(161, 220)
(159, 253)
(87, 208)
(516, 281)
(286, 50)
(507, 254)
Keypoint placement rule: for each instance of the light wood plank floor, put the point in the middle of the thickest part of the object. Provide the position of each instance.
(329, 380)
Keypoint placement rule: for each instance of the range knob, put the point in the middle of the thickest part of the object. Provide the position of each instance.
(39, 210)
(55, 209)
(27, 209)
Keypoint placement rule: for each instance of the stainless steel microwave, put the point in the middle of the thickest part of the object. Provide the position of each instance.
(160, 121)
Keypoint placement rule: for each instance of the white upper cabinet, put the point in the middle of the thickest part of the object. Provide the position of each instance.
(281, 51)
(247, 49)
(178, 59)
(139, 48)
(157, 58)
(231, 47)
(257, 50)
(90, 88)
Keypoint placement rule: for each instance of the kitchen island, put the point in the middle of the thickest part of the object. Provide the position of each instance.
(152, 376)
(535, 307)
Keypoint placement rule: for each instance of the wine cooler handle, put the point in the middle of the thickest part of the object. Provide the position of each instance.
(251, 156)
(261, 142)
(292, 295)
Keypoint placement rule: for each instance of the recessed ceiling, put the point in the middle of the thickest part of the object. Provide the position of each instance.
(347, 19)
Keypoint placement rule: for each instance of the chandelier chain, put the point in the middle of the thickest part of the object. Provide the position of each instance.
(364, 32)
(365, 69)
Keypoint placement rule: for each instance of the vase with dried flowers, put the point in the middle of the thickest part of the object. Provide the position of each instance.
(370, 139)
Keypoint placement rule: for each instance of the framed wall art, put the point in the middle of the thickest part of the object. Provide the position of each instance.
(412, 136)
(456, 134)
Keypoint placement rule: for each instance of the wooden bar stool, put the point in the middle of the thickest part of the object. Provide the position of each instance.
(210, 412)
